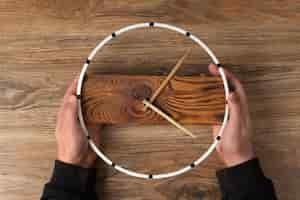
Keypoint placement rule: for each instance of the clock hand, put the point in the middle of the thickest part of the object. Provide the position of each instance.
(168, 118)
(168, 78)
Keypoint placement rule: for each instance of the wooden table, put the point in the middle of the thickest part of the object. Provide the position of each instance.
(44, 43)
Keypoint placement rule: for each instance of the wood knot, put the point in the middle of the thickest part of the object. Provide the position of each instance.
(141, 92)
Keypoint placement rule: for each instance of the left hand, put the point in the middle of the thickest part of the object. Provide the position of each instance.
(72, 144)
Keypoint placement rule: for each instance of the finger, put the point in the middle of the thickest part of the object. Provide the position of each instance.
(70, 106)
(238, 87)
(72, 88)
(239, 90)
(234, 109)
(213, 69)
(234, 83)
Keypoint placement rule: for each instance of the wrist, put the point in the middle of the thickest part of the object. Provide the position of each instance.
(234, 160)
(80, 162)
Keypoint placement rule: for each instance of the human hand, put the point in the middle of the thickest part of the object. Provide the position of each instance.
(72, 144)
(235, 146)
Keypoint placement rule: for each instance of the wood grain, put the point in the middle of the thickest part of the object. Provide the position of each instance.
(117, 99)
(45, 43)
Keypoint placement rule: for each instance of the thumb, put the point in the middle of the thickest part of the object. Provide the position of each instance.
(234, 108)
(71, 104)
(68, 110)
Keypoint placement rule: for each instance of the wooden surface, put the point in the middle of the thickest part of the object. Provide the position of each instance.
(43, 45)
(117, 99)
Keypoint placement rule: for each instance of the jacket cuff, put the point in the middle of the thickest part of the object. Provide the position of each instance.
(70, 177)
(240, 178)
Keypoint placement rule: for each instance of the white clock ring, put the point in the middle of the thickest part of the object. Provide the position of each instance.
(83, 125)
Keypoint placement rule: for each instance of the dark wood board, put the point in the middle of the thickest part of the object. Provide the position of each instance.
(117, 99)
(43, 45)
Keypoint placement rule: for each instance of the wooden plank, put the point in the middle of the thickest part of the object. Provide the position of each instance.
(117, 99)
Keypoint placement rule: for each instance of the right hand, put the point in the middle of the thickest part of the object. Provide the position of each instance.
(235, 146)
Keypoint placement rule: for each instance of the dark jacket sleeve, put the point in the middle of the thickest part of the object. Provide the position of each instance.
(70, 182)
(245, 182)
